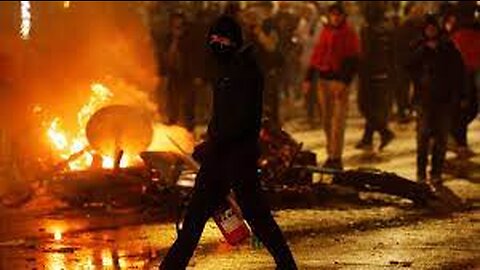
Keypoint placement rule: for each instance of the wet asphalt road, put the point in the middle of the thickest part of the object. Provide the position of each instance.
(377, 233)
(334, 237)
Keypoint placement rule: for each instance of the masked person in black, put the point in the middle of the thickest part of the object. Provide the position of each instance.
(229, 156)
(437, 70)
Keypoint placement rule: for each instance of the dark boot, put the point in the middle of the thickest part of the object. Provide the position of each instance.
(334, 164)
(386, 138)
(366, 143)
(421, 179)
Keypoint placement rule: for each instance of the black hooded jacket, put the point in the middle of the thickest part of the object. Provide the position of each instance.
(237, 97)
(438, 75)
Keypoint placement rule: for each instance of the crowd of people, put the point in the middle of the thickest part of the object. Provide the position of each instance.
(411, 63)
(278, 36)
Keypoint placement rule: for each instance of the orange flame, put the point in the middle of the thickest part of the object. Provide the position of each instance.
(67, 145)
(57, 136)
(181, 136)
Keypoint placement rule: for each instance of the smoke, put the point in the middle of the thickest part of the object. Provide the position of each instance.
(70, 48)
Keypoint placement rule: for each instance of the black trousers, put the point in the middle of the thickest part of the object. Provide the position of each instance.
(402, 92)
(220, 173)
(463, 116)
(435, 127)
(375, 104)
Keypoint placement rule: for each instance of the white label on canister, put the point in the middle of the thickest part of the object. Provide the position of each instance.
(229, 221)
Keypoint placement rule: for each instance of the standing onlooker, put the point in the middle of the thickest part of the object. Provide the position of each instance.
(334, 62)
(306, 30)
(467, 40)
(437, 71)
(290, 49)
(407, 33)
(177, 67)
(376, 76)
(266, 38)
(201, 68)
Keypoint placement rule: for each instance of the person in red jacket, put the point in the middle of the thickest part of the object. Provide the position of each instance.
(459, 26)
(467, 40)
(332, 67)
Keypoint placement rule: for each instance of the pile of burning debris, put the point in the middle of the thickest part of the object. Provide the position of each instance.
(88, 159)
(118, 156)
(163, 173)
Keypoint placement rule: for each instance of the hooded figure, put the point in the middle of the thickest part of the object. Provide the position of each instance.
(229, 155)
(238, 87)
(437, 71)
(178, 67)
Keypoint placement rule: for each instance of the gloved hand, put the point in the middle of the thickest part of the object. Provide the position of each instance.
(349, 69)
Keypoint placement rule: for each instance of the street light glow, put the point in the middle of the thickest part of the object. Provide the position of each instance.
(26, 17)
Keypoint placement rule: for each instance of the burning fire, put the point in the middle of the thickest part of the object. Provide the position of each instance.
(67, 146)
(74, 148)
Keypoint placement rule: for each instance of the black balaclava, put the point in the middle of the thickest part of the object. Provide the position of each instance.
(225, 26)
(431, 19)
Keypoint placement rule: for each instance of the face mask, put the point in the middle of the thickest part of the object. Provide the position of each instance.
(222, 51)
(431, 33)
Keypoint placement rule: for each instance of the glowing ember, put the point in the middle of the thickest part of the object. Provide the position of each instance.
(56, 230)
(108, 162)
(107, 258)
(57, 235)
